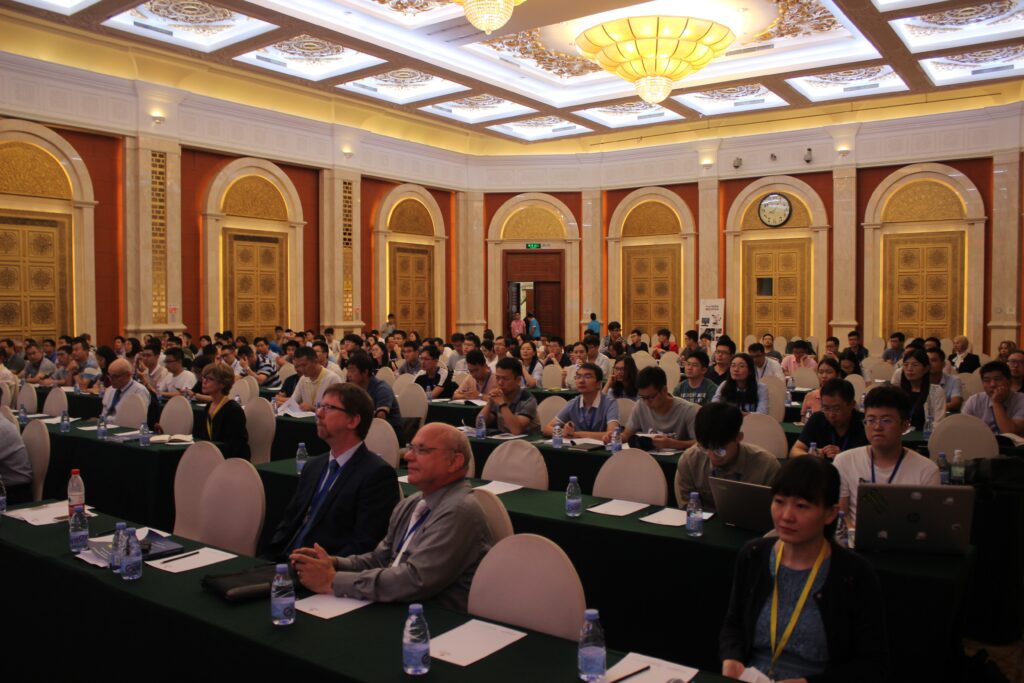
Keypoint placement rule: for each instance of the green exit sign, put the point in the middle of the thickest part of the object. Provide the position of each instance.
(533, 245)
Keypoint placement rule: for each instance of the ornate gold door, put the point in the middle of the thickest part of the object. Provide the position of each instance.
(777, 287)
(924, 284)
(411, 290)
(255, 282)
(650, 286)
(35, 275)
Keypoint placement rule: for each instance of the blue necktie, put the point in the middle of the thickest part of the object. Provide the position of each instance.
(333, 470)
(114, 401)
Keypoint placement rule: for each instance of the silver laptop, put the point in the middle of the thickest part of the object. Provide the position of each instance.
(934, 519)
(743, 505)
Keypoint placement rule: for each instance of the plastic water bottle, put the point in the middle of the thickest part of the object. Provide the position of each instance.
(76, 390)
(813, 450)
(860, 403)
(277, 408)
(573, 498)
(22, 415)
(556, 435)
(144, 434)
(694, 516)
(808, 415)
(301, 456)
(131, 560)
(929, 424)
(841, 530)
(790, 385)
(944, 474)
(282, 598)
(3, 496)
(615, 444)
(117, 544)
(416, 642)
(99, 388)
(76, 492)
(78, 530)
(958, 469)
(101, 427)
(65, 422)
(481, 427)
(591, 656)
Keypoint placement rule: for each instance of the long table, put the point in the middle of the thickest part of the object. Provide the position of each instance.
(166, 627)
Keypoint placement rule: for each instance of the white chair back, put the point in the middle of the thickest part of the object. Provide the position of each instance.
(983, 358)
(875, 346)
(643, 359)
(766, 432)
(194, 468)
(232, 507)
(517, 462)
(871, 363)
(386, 375)
(632, 474)
(401, 382)
(947, 345)
(382, 440)
(549, 408)
(412, 401)
(668, 358)
(806, 378)
(284, 372)
(776, 397)
(6, 396)
(246, 388)
(570, 377)
(859, 385)
(528, 581)
(37, 443)
(130, 412)
(780, 345)
(748, 340)
(970, 384)
(964, 432)
(260, 425)
(498, 520)
(27, 397)
(816, 349)
(7, 413)
(672, 373)
(56, 402)
(645, 338)
(459, 377)
(176, 417)
(626, 406)
(552, 377)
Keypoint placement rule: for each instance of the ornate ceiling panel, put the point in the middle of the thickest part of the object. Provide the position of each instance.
(478, 109)
(732, 100)
(836, 85)
(638, 113)
(977, 65)
(189, 23)
(309, 57)
(962, 26)
(540, 128)
(403, 86)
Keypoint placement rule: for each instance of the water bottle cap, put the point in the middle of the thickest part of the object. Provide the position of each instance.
(590, 615)
(302, 444)
(282, 569)
(121, 526)
(75, 472)
(574, 480)
(131, 530)
(79, 508)
(814, 444)
(416, 608)
(694, 494)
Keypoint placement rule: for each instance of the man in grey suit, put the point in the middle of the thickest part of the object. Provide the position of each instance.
(435, 540)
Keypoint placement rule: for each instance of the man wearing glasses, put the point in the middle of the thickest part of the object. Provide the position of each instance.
(884, 460)
(667, 419)
(591, 415)
(178, 380)
(345, 496)
(998, 406)
(838, 427)
(512, 409)
(121, 386)
(360, 370)
(435, 539)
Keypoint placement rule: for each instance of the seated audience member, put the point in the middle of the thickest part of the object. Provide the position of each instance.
(855, 345)
(223, 419)
(832, 348)
(1006, 347)
(837, 427)
(742, 388)
(926, 399)
(557, 355)
(15, 466)
(828, 369)
(259, 365)
(663, 344)
(636, 342)
(591, 344)
(323, 356)
(765, 366)
(458, 351)
(691, 345)
(999, 407)
(360, 371)
(838, 634)
(435, 379)
(725, 349)
(614, 335)
(800, 358)
(667, 420)
(345, 496)
(64, 375)
(149, 372)
(434, 541)
(510, 408)
(481, 378)
(962, 359)
(7, 378)
(884, 460)
(229, 356)
(1016, 365)
(104, 357)
(695, 387)
(533, 368)
(411, 364)
(178, 380)
(720, 452)
(590, 415)
(487, 346)
(86, 369)
(313, 379)
(850, 365)
(622, 383)
(894, 353)
(121, 386)
(288, 353)
(37, 366)
(950, 384)
(768, 342)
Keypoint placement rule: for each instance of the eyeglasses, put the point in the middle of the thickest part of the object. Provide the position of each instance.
(327, 408)
(419, 450)
(585, 376)
(651, 397)
(884, 422)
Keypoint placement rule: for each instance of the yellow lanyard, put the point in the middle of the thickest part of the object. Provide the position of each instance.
(795, 617)
(214, 409)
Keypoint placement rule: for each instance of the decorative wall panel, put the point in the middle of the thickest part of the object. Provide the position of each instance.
(410, 292)
(28, 170)
(347, 250)
(35, 275)
(411, 217)
(923, 201)
(776, 287)
(255, 282)
(651, 218)
(158, 234)
(255, 197)
(924, 284)
(533, 222)
(651, 282)
(800, 217)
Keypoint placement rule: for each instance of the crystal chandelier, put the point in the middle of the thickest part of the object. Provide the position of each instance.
(489, 15)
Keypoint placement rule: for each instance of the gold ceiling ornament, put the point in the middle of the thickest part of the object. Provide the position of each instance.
(528, 45)
(970, 15)
(980, 58)
(868, 73)
(411, 7)
(654, 52)
(404, 78)
(309, 49)
(477, 102)
(541, 122)
(734, 93)
(489, 15)
(627, 108)
(799, 18)
(188, 11)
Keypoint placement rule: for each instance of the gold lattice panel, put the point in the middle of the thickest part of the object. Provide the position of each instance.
(776, 287)
(348, 249)
(924, 284)
(27, 169)
(533, 223)
(254, 197)
(410, 290)
(255, 282)
(158, 234)
(651, 218)
(651, 288)
(35, 275)
(411, 217)
(925, 200)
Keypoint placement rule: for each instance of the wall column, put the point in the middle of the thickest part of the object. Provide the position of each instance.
(844, 249)
(1005, 267)
(593, 285)
(707, 231)
(339, 250)
(470, 315)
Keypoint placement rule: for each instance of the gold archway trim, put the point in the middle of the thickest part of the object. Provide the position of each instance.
(253, 196)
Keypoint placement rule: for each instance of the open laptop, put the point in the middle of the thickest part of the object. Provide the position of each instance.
(743, 505)
(934, 519)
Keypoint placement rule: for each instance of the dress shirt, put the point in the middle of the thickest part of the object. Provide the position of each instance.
(311, 390)
(595, 417)
(980, 406)
(133, 388)
(44, 368)
(771, 368)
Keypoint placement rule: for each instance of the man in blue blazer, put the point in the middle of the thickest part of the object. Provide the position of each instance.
(345, 496)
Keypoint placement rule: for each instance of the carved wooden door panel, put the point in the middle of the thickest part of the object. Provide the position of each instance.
(255, 282)
(776, 287)
(651, 289)
(411, 287)
(924, 284)
(35, 275)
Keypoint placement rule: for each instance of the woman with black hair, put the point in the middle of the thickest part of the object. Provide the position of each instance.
(926, 399)
(622, 381)
(742, 389)
(533, 368)
(828, 368)
(850, 364)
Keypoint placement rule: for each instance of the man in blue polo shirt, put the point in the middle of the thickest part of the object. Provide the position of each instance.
(838, 427)
(591, 415)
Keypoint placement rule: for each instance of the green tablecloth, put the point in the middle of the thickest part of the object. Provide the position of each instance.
(79, 405)
(165, 627)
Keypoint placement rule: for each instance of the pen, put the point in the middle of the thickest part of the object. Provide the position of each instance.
(180, 557)
(630, 675)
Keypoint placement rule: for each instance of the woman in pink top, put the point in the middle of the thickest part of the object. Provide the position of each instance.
(518, 325)
(828, 368)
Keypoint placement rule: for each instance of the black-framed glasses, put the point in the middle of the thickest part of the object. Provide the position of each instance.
(327, 408)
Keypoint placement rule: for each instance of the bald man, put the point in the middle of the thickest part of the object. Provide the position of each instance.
(121, 386)
(435, 540)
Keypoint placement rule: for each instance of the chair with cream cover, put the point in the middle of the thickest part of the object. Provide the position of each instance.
(56, 402)
(285, 371)
(37, 443)
(805, 378)
(970, 384)
(766, 432)
(645, 338)
(260, 425)
(946, 345)
(815, 349)
(780, 344)
(859, 385)
(632, 474)
(6, 395)
(872, 362)
(776, 397)
(498, 520)
(176, 417)
(668, 358)
(570, 377)
(748, 340)
(626, 406)
(27, 397)
(875, 346)
(6, 412)
(412, 402)
(965, 432)
(528, 581)
(401, 382)
(130, 412)
(383, 441)
(248, 388)
(232, 507)
(517, 462)
(194, 468)
(386, 375)
(643, 360)
(552, 377)
(672, 373)
(548, 409)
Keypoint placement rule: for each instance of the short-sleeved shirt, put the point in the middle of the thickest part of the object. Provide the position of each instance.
(714, 375)
(384, 397)
(820, 431)
(855, 467)
(522, 404)
(980, 406)
(701, 395)
(790, 363)
(265, 365)
(441, 378)
(45, 368)
(15, 467)
(753, 465)
(891, 355)
(593, 418)
(677, 423)
(951, 385)
(183, 382)
(861, 353)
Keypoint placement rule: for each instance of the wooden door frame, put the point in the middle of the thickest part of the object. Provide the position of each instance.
(227, 275)
(506, 279)
(392, 246)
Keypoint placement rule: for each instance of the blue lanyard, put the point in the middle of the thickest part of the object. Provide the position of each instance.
(411, 530)
(895, 469)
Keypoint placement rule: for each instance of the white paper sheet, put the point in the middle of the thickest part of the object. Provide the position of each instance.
(665, 451)
(68, 390)
(577, 441)
(507, 437)
(404, 479)
(87, 428)
(184, 439)
(56, 420)
(36, 416)
(140, 533)
(92, 558)
(329, 606)
(499, 487)
(672, 517)
(440, 400)
(471, 642)
(46, 514)
(618, 508)
(752, 675)
(205, 556)
(659, 672)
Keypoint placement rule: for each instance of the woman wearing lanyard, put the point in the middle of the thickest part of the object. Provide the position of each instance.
(803, 608)
(224, 419)
(926, 399)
